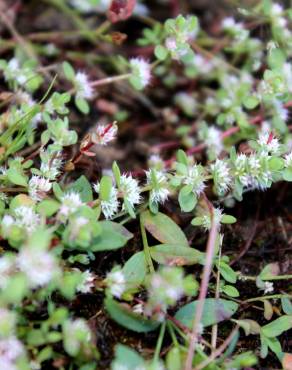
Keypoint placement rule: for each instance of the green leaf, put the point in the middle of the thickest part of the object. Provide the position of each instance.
(123, 315)
(231, 291)
(215, 311)
(268, 310)
(287, 174)
(16, 177)
(249, 326)
(105, 188)
(127, 358)
(164, 229)
(83, 187)
(174, 359)
(58, 192)
(182, 157)
(269, 271)
(251, 102)
(278, 326)
(21, 200)
(227, 272)
(176, 255)
(117, 173)
(187, 199)
(228, 219)
(113, 236)
(48, 207)
(68, 71)
(286, 305)
(135, 269)
(160, 52)
(276, 164)
(82, 105)
(197, 221)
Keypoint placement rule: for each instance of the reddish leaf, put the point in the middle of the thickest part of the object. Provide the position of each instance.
(120, 10)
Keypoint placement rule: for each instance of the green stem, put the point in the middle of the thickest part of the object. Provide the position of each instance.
(172, 333)
(274, 296)
(159, 342)
(146, 247)
(267, 278)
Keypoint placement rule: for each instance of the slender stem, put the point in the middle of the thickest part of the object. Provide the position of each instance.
(172, 333)
(217, 296)
(267, 278)
(159, 342)
(203, 289)
(109, 80)
(146, 247)
(274, 296)
(218, 352)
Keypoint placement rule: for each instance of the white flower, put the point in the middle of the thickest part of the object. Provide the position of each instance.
(26, 218)
(141, 70)
(51, 164)
(70, 203)
(116, 282)
(10, 350)
(104, 134)
(268, 143)
(269, 287)
(195, 178)
(83, 87)
(159, 191)
(213, 140)
(156, 161)
(217, 216)
(240, 169)
(130, 190)
(76, 333)
(38, 187)
(228, 22)
(221, 174)
(38, 265)
(109, 207)
(288, 160)
(7, 268)
(87, 284)
(276, 9)
(280, 110)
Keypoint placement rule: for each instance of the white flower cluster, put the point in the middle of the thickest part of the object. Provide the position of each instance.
(39, 266)
(51, 164)
(165, 288)
(141, 71)
(24, 217)
(116, 282)
(268, 143)
(234, 28)
(158, 183)
(11, 350)
(104, 134)
(288, 160)
(212, 138)
(217, 216)
(268, 287)
(221, 176)
(87, 283)
(70, 202)
(195, 178)
(82, 85)
(76, 334)
(38, 187)
(128, 190)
